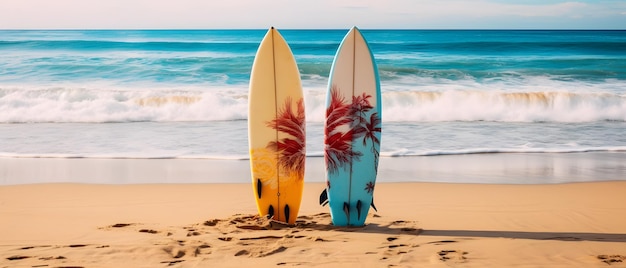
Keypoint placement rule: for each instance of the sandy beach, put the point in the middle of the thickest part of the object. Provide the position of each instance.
(214, 225)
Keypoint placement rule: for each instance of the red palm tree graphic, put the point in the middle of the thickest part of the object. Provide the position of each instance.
(372, 127)
(338, 143)
(292, 149)
(339, 113)
(360, 106)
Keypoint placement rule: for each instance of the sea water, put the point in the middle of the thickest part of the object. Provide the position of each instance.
(183, 93)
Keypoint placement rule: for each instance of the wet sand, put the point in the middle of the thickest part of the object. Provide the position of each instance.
(499, 168)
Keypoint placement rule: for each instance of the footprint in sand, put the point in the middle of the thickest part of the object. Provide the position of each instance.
(172, 263)
(176, 253)
(394, 248)
(77, 246)
(52, 258)
(405, 227)
(193, 233)
(260, 253)
(121, 225)
(610, 259)
(242, 252)
(452, 255)
(212, 222)
(17, 257)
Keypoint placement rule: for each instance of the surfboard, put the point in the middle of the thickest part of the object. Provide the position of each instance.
(276, 130)
(352, 132)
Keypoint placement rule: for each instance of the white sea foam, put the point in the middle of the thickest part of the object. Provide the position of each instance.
(316, 154)
(111, 105)
(537, 101)
(407, 152)
(464, 105)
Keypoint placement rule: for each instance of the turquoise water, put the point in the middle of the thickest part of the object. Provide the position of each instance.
(183, 94)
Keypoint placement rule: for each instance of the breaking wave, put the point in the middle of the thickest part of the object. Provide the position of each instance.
(463, 105)
(111, 105)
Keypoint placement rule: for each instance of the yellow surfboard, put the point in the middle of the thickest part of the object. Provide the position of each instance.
(276, 130)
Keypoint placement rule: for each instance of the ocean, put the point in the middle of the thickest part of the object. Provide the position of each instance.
(179, 94)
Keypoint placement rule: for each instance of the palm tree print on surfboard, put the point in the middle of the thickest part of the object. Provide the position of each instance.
(276, 130)
(352, 132)
(338, 144)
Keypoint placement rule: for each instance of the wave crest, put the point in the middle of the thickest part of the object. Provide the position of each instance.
(468, 105)
(101, 106)
(161, 105)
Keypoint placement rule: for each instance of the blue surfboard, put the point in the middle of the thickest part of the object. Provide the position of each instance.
(352, 132)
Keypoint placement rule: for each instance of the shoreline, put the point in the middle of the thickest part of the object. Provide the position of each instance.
(490, 168)
(417, 224)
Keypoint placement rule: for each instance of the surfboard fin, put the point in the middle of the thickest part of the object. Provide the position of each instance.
(259, 185)
(358, 210)
(374, 206)
(324, 198)
(346, 209)
(270, 212)
(286, 213)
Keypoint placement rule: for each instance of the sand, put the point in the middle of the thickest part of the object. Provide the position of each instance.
(214, 225)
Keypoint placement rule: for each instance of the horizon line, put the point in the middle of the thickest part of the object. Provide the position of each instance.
(313, 29)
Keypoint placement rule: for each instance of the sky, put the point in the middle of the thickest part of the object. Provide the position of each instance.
(312, 14)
